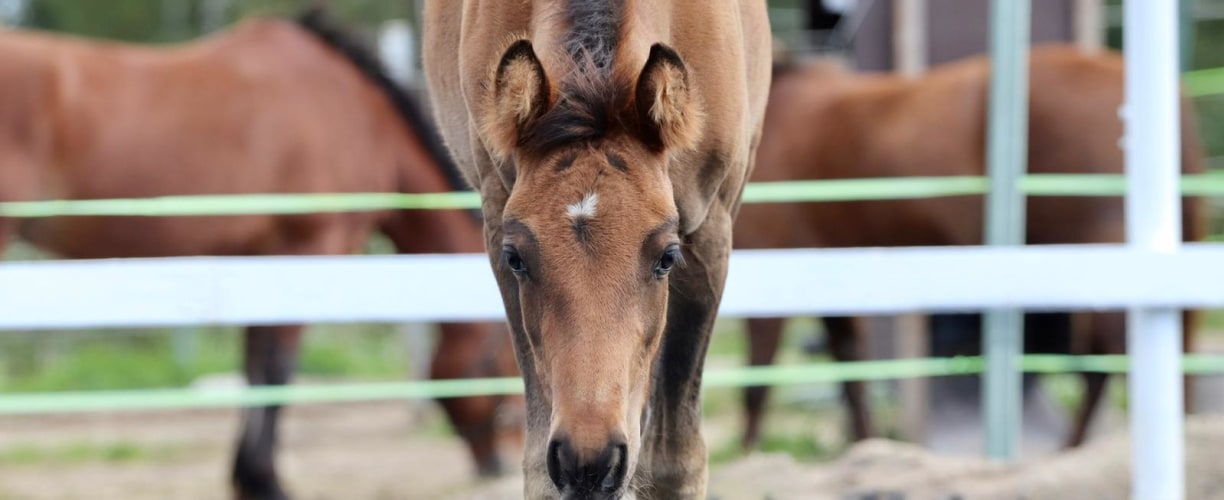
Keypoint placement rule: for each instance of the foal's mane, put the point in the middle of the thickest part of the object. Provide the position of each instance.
(316, 22)
(595, 93)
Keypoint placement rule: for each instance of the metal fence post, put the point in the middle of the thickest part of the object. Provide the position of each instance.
(1089, 24)
(1189, 33)
(1153, 210)
(1007, 153)
(910, 45)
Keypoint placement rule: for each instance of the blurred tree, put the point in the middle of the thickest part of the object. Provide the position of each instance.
(135, 20)
(153, 21)
(364, 14)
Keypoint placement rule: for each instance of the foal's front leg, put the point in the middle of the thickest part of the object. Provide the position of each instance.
(673, 461)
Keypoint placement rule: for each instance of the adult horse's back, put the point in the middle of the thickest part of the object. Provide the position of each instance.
(603, 135)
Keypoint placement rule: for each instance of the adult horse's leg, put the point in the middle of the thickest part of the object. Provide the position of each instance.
(17, 180)
(7, 228)
(1104, 333)
(271, 357)
(467, 350)
(673, 460)
(764, 337)
(844, 345)
(1189, 327)
(1107, 335)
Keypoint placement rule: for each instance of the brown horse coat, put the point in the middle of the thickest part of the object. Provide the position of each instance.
(825, 122)
(610, 141)
(269, 106)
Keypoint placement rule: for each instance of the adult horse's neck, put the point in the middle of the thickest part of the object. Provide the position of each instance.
(406, 107)
(422, 163)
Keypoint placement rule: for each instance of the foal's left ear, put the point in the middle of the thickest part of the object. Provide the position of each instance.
(667, 103)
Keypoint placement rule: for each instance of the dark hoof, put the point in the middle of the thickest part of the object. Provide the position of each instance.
(274, 494)
(876, 495)
(256, 483)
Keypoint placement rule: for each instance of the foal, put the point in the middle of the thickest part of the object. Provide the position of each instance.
(610, 141)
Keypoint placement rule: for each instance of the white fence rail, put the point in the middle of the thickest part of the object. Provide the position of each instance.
(263, 290)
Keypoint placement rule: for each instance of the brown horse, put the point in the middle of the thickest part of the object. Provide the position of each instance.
(270, 106)
(825, 122)
(610, 141)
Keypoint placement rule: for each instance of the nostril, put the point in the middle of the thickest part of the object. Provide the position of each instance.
(554, 464)
(598, 473)
(615, 467)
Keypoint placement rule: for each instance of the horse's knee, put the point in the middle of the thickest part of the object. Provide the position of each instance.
(271, 353)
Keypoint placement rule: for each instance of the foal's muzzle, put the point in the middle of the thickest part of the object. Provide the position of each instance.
(595, 477)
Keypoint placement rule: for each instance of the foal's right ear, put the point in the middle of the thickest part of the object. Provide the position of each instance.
(520, 97)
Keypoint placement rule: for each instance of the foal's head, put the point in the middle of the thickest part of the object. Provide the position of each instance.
(591, 235)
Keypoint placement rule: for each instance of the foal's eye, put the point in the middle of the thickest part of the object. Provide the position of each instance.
(513, 260)
(670, 258)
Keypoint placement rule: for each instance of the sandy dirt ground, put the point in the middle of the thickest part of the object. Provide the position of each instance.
(387, 451)
(884, 470)
(889, 470)
(404, 450)
(362, 451)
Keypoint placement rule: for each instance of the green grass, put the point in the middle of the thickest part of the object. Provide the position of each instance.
(1213, 319)
(27, 454)
(100, 366)
(802, 446)
(115, 360)
(794, 425)
(792, 417)
(355, 351)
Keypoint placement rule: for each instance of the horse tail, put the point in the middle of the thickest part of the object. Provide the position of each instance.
(315, 21)
(1194, 228)
(1193, 162)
